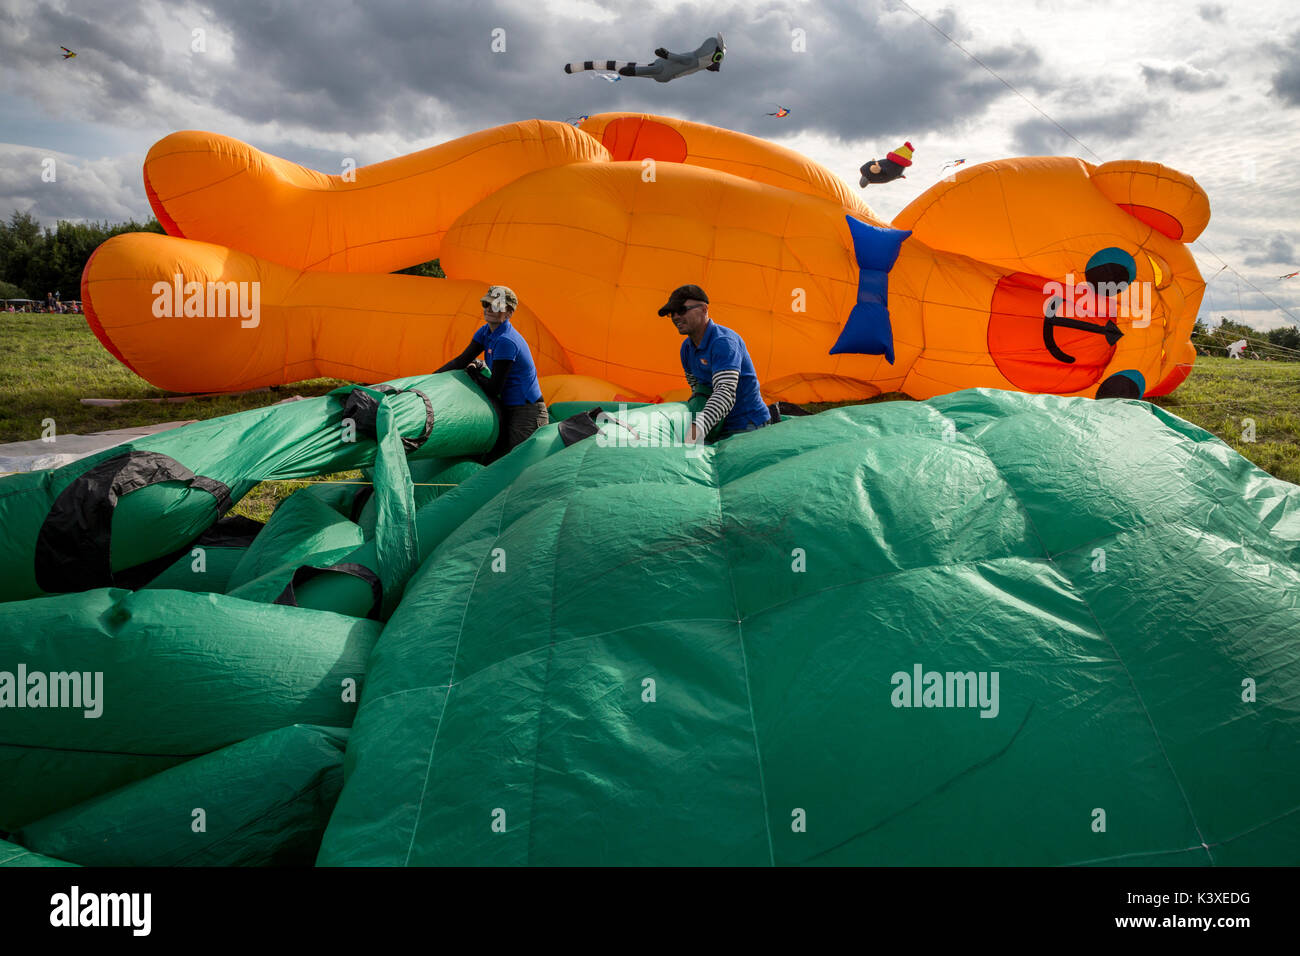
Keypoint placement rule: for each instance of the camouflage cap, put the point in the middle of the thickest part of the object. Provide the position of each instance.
(501, 298)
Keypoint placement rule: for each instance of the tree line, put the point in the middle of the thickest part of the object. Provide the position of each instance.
(1279, 345)
(36, 260)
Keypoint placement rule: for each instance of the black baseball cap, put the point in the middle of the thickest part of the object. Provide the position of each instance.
(680, 295)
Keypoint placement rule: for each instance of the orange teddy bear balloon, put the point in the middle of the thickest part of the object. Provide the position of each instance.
(1044, 274)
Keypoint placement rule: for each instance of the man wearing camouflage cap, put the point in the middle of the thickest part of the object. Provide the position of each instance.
(513, 384)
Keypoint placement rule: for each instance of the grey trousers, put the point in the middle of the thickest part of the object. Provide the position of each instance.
(523, 420)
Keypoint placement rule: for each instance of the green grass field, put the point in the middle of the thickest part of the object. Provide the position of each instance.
(50, 362)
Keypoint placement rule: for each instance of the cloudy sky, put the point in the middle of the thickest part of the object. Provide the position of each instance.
(1212, 89)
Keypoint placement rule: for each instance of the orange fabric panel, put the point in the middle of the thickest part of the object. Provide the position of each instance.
(376, 218)
(634, 135)
(365, 328)
(593, 240)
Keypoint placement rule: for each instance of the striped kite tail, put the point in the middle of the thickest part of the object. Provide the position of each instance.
(612, 66)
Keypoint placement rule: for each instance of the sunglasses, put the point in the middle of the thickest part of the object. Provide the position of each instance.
(680, 312)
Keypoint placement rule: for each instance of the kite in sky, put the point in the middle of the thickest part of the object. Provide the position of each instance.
(67, 54)
(780, 111)
(1290, 275)
(707, 56)
(951, 162)
(888, 169)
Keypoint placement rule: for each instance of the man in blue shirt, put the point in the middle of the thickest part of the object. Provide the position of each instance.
(715, 357)
(514, 376)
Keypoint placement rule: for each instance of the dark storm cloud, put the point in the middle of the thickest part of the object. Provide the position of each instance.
(1286, 82)
(388, 65)
(1211, 12)
(365, 71)
(389, 70)
(1184, 78)
(1278, 249)
(1100, 131)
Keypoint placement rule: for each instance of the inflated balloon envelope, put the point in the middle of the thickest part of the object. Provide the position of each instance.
(990, 628)
(974, 284)
(119, 516)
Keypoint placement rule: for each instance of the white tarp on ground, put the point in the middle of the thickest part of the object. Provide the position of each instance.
(37, 455)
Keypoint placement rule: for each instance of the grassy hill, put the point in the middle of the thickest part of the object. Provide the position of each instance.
(52, 361)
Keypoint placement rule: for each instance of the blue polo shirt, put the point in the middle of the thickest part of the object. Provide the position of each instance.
(507, 345)
(721, 350)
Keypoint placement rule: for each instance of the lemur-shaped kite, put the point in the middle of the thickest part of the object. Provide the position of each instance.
(669, 66)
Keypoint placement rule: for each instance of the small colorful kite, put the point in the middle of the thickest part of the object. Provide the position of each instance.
(780, 111)
(952, 162)
(67, 54)
(1290, 275)
(577, 120)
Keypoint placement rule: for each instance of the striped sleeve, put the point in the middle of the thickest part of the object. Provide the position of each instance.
(693, 382)
(720, 403)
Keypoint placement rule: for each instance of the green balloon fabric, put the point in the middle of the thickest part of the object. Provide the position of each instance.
(261, 802)
(108, 519)
(309, 527)
(104, 687)
(986, 629)
(213, 573)
(564, 410)
(11, 854)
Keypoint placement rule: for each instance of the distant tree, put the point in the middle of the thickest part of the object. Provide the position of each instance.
(1287, 337)
(52, 260)
(431, 269)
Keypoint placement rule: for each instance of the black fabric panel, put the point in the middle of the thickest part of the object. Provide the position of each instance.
(577, 427)
(359, 503)
(305, 573)
(1119, 386)
(790, 410)
(74, 545)
(140, 575)
(363, 409)
(411, 444)
(232, 531)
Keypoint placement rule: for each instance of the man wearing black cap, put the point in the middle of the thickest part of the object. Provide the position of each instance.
(715, 357)
(514, 376)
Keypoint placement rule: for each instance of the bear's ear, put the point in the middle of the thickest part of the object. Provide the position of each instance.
(1166, 200)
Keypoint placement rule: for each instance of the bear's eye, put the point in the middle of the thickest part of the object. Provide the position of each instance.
(1113, 267)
